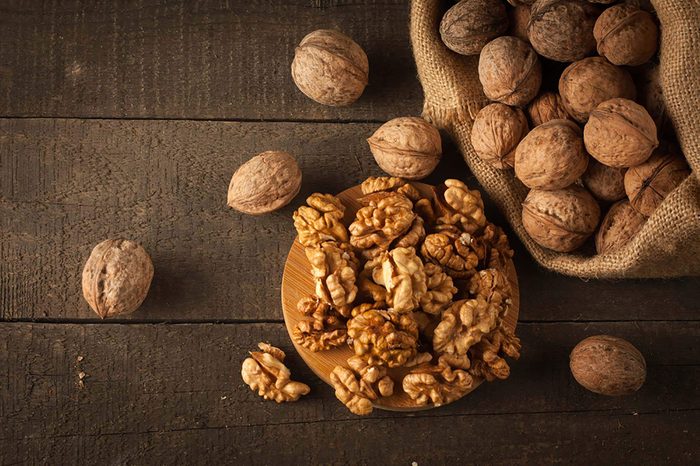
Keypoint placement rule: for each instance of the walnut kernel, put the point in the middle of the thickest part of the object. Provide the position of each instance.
(265, 373)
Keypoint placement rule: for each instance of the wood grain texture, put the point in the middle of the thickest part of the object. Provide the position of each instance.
(158, 393)
(297, 283)
(65, 185)
(211, 59)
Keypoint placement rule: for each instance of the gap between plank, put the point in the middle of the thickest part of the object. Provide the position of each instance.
(203, 120)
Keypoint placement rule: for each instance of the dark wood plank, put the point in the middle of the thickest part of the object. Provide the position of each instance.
(67, 184)
(154, 393)
(209, 59)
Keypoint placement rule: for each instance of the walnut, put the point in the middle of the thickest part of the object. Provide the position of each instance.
(620, 133)
(373, 375)
(375, 184)
(562, 30)
(551, 156)
(386, 218)
(620, 225)
(265, 372)
(605, 183)
(648, 184)
(116, 277)
(334, 268)
(400, 271)
(325, 330)
(470, 24)
(385, 338)
(510, 71)
(651, 96)
(355, 386)
(496, 132)
(264, 183)
(494, 287)
(457, 205)
(519, 18)
(497, 251)
(330, 68)
(586, 83)
(560, 220)
(321, 220)
(626, 35)
(608, 365)
(440, 384)
(546, 107)
(486, 356)
(464, 323)
(440, 289)
(453, 251)
(408, 147)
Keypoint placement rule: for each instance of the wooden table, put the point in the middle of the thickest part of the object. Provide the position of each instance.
(127, 119)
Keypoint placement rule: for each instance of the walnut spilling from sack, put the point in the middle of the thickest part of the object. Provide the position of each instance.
(265, 373)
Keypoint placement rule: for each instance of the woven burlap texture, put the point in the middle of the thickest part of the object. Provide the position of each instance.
(669, 243)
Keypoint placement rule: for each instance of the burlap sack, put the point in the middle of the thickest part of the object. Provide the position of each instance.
(669, 243)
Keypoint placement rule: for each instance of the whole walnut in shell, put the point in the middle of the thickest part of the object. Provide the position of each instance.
(470, 24)
(265, 183)
(608, 365)
(605, 183)
(546, 107)
(626, 35)
(519, 19)
(560, 220)
(551, 156)
(588, 82)
(620, 133)
(330, 68)
(619, 226)
(648, 184)
(407, 147)
(562, 30)
(116, 277)
(510, 71)
(496, 132)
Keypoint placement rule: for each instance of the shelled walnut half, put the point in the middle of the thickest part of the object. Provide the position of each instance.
(334, 268)
(361, 384)
(323, 331)
(457, 205)
(265, 372)
(401, 273)
(320, 220)
(385, 217)
(383, 337)
(440, 384)
(464, 323)
(486, 356)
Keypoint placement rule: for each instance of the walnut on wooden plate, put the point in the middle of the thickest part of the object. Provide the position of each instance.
(401, 273)
(320, 220)
(323, 328)
(439, 384)
(361, 384)
(383, 337)
(265, 372)
(334, 268)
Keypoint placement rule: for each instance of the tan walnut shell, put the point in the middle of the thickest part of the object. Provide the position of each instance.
(562, 30)
(608, 365)
(470, 24)
(330, 68)
(407, 147)
(496, 132)
(560, 220)
(510, 71)
(551, 156)
(618, 227)
(266, 374)
(519, 19)
(116, 277)
(620, 133)
(588, 82)
(626, 35)
(648, 184)
(265, 183)
(605, 183)
(546, 107)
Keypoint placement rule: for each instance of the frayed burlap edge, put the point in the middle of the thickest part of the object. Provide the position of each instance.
(669, 243)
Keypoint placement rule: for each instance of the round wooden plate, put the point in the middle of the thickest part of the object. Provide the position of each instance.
(297, 283)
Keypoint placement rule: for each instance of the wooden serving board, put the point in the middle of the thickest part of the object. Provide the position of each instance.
(297, 283)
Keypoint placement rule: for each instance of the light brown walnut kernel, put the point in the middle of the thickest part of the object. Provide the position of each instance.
(626, 35)
(323, 331)
(375, 184)
(386, 217)
(385, 338)
(453, 251)
(321, 220)
(605, 183)
(334, 268)
(116, 277)
(494, 287)
(440, 289)
(401, 272)
(620, 225)
(486, 356)
(407, 147)
(562, 30)
(496, 132)
(648, 184)
(265, 373)
(457, 205)
(439, 384)
(546, 107)
(471, 24)
(464, 323)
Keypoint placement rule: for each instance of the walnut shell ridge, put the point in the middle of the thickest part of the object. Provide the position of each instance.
(626, 35)
(608, 365)
(471, 24)
(116, 277)
(551, 156)
(265, 183)
(605, 183)
(585, 84)
(407, 147)
(648, 184)
(560, 220)
(330, 68)
(546, 107)
(619, 226)
(562, 30)
(496, 132)
(510, 71)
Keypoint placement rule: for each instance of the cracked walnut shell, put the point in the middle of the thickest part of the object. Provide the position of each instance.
(648, 184)
(440, 384)
(265, 183)
(626, 35)
(330, 68)
(321, 220)
(407, 147)
(265, 373)
(385, 338)
(496, 132)
(116, 277)
(471, 24)
(334, 268)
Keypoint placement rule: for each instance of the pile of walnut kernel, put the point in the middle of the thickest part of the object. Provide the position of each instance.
(413, 282)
